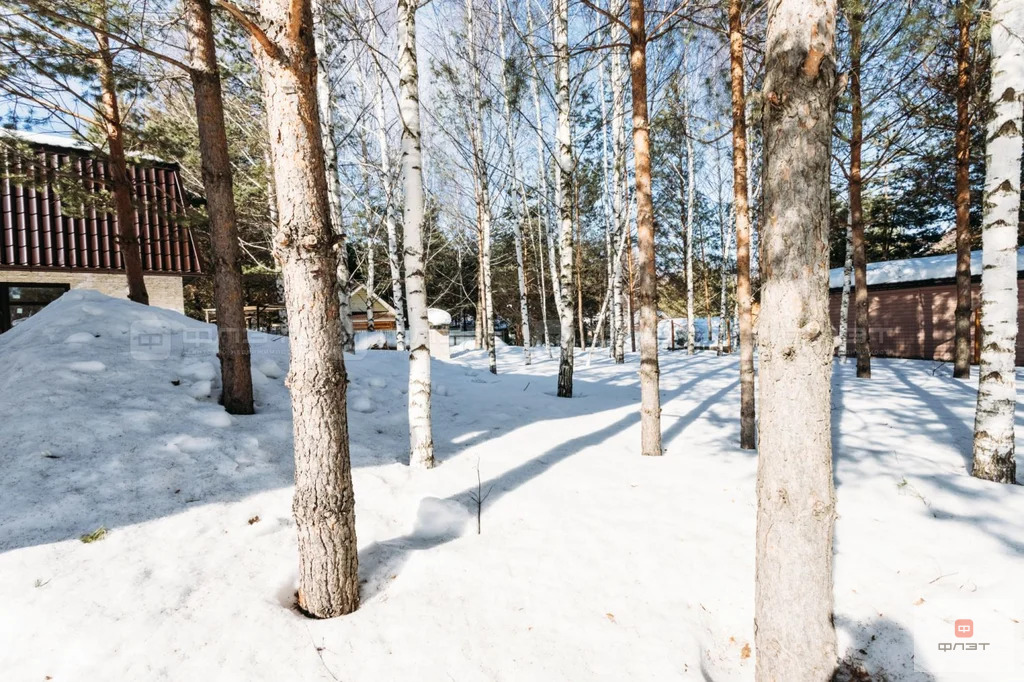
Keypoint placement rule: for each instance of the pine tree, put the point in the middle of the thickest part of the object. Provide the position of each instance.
(794, 634)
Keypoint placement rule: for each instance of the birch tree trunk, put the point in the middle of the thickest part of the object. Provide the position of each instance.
(794, 635)
(997, 392)
(232, 337)
(691, 207)
(483, 197)
(844, 307)
(855, 17)
(542, 175)
(371, 283)
(560, 11)
(324, 90)
(741, 209)
(619, 201)
(650, 396)
(962, 350)
(324, 504)
(389, 207)
(517, 220)
(421, 437)
(120, 185)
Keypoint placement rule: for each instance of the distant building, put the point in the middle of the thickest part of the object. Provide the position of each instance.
(912, 307)
(58, 233)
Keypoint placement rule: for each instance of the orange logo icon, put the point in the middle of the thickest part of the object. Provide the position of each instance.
(964, 627)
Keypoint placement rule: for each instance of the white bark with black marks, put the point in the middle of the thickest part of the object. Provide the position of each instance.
(421, 439)
(563, 193)
(994, 457)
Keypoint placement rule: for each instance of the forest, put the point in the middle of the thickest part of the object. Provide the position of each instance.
(674, 229)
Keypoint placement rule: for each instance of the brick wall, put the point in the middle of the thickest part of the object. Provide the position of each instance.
(165, 291)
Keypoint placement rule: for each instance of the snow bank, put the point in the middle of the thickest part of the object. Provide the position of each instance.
(593, 561)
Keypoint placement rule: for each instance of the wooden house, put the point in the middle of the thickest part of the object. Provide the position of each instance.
(58, 230)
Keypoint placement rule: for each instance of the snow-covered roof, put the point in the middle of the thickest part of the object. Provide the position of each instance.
(65, 142)
(915, 269)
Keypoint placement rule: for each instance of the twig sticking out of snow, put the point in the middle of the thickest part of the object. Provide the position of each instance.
(478, 497)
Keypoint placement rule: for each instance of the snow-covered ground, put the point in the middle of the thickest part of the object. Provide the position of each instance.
(593, 562)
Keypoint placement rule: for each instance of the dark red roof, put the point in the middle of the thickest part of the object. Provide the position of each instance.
(40, 231)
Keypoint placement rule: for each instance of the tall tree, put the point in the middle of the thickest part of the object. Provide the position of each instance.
(421, 438)
(325, 88)
(620, 201)
(844, 306)
(742, 213)
(233, 340)
(324, 503)
(394, 264)
(997, 391)
(855, 17)
(962, 141)
(564, 196)
(794, 634)
(517, 220)
(482, 193)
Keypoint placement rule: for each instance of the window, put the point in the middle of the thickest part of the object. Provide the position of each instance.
(18, 302)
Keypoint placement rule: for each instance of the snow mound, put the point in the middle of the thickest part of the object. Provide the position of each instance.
(80, 337)
(268, 368)
(378, 382)
(88, 366)
(361, 404)
(437, 518)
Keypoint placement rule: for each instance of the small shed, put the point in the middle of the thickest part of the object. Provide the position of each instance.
(912, 307)
(361, 302)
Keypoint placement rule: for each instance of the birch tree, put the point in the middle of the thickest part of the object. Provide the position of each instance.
(794, 634)
(844, 306)
(997, 392)
(482, 193)
(421, 439)
(325, 87)
(620, 190)
(517, 220)
(563, 194)
(304, 244)
(386, 182)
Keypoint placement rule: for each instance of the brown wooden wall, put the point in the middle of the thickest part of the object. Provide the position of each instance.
(382, 322)
(42, 226)
(915, 321)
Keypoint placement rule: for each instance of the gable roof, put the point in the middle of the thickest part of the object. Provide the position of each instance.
(375, 297)
(908, 270)
(40, 229)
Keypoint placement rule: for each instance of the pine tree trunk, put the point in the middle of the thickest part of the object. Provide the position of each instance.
(120, 185)
(997, 392)
(304, 244)
(324, 90)
(389, 210)
(232, 337)
(517, 220)
(650, 397)
(860, 299)
(560, 11)
(741, 209)
(619, 203)
(794, 635)
(962, 350)
(844, 307)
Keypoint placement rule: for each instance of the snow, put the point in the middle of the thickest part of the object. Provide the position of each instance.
(593, 562)
(439, 318)
(915, 269)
